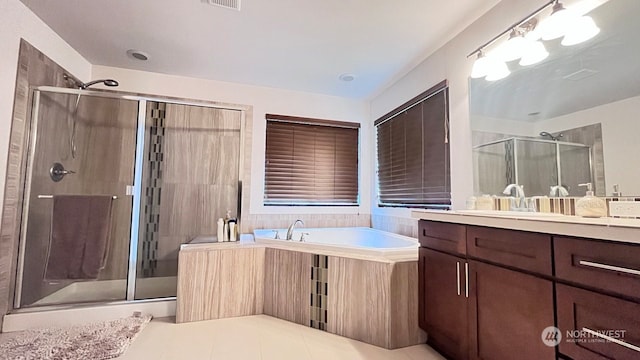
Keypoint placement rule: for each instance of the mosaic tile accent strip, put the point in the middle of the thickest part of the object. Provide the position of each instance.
(153, 189)
(510, 163)
(319, 292)
(557, 205)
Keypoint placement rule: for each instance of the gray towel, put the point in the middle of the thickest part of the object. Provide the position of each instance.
(80, 232)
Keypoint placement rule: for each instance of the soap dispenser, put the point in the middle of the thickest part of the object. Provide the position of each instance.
(590, 205)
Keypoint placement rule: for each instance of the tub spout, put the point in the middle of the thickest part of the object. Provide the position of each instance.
(290, 229)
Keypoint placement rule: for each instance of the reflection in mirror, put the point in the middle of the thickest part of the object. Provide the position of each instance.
(569, 119)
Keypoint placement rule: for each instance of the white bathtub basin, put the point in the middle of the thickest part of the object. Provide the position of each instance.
(366, 242)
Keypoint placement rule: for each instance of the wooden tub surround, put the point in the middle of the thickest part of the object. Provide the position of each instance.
(371, 301)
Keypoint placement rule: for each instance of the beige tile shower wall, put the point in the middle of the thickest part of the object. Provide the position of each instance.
(105, 143)
(395, 224)
(200, 176)
(34, 68)
(264, 221)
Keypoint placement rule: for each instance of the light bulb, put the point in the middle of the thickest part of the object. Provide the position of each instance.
(513, 48)
(497, 71)
(557, 24)
(534, 53)
(481, 66)
(583, 29)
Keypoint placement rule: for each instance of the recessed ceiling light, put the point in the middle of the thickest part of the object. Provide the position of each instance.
(138, 55)
(347, 77)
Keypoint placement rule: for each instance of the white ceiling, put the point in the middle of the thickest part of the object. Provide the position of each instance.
(292, 44)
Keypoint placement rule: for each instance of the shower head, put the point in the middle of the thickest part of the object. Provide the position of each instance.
(107, 82)
(554, 138)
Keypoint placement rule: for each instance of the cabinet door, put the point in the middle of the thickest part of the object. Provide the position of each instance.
(444, 303)
(596, 326)
(508, 312)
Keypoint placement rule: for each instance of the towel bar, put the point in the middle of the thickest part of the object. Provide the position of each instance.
(51, 197)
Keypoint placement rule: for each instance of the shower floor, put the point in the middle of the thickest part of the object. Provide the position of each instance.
(111, 290)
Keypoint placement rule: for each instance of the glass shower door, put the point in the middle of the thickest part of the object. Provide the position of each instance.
(77, 215)
(191, 177)
(537, 168)
(575, 168)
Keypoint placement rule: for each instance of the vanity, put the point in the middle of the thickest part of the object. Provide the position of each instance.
(493, 287)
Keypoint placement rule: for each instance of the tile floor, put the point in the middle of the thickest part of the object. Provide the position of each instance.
(258, 337)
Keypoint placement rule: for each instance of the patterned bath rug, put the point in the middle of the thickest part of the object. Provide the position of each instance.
(96, 341)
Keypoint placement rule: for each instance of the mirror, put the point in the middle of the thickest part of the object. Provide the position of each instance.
(572, 118)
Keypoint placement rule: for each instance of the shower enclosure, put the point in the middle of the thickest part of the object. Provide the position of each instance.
(170, 169)
(534, 163)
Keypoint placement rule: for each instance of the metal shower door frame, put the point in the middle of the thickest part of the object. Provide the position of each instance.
(136, 192)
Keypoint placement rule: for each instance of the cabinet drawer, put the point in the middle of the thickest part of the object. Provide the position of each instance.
(613, 267)
(519, 249)
(441, 236)
(581, 313)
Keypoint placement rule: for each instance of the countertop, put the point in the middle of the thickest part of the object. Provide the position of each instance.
(614, 229)
(207, 243)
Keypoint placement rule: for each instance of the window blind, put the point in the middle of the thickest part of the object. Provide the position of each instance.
(310, 161)
(413, 152)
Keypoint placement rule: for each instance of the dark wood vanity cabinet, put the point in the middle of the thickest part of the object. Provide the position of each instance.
(587, 318)
(475, 310)
(444, 304)
(488, 293)
(508, 311)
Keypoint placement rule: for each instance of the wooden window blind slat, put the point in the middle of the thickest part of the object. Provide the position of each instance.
(309, 163)
(413, 155)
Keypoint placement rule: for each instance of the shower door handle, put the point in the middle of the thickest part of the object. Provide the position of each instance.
(58, 172)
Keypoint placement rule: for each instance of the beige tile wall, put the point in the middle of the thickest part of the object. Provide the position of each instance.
(398, 225)
(34, 68)
(253, 222)
(199, 177)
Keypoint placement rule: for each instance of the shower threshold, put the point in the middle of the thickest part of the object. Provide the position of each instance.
(110, 290)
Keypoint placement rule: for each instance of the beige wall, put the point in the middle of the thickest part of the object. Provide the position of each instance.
(264, 100)
(450, 62)
(17, 21)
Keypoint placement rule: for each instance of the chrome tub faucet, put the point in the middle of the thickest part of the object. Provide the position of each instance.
(290, 229)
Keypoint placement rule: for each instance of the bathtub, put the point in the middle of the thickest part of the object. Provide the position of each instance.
(360, 242)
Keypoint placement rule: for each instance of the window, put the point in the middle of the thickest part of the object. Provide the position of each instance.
(413, 152)
(310, 162)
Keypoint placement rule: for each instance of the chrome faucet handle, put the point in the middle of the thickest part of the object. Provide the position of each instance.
(276, 236)
(531, 205)
(290, 229)
(302, 236)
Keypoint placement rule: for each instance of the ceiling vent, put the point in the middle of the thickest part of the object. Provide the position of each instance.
(229, 4)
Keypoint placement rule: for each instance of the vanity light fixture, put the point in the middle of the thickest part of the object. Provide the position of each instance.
(525, 37)
(558, 23)
(534, 53)
(514, 48)
(583, 29)
(481, 66)
(499, 70)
